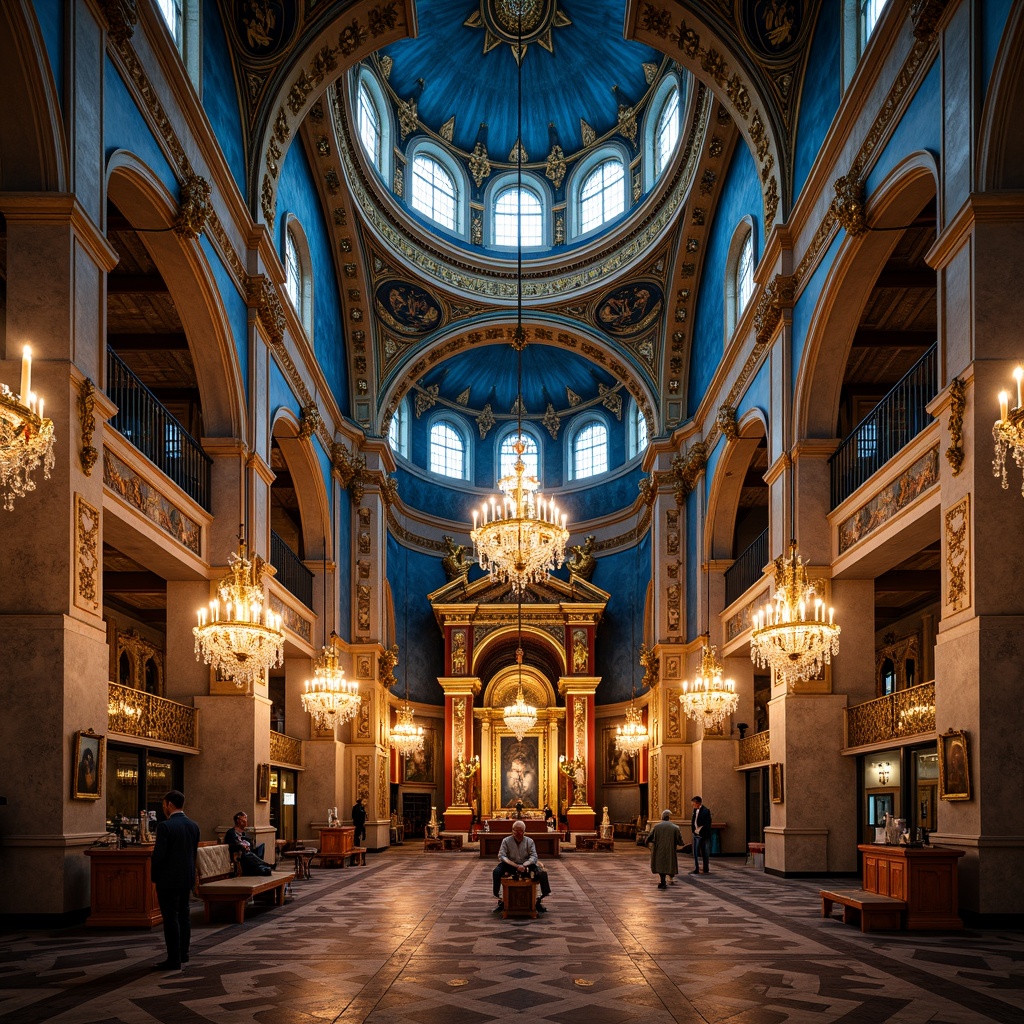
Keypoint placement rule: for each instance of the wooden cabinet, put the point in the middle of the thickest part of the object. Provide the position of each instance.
(924, 877)
(336, 843)
(122, 890)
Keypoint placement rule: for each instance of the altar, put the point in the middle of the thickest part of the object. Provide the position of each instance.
(548, 843)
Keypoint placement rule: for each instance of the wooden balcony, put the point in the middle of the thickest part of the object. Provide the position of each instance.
(897, 716)
(156, 720)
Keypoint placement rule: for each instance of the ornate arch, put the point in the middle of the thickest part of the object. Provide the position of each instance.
(142, 197)
(755, 73)
(897, 200)
(727, 485)
(33, 149)
(307, 477)
(533, 636)
(1001, 145)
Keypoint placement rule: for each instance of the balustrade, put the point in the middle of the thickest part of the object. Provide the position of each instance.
(134, 712)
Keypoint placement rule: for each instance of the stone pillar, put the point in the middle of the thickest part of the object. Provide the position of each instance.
(459, 692)
(367, 763)
(581, 741)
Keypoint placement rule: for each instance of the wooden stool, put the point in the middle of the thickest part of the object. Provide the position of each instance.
(519, 896)
(433, 844)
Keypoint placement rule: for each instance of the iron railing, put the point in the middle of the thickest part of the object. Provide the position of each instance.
(155, 432)
(891, 425)
(747, 569)
(291, 573)
(908, 712)
(137, 713)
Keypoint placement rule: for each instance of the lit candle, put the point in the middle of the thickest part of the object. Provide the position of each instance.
(830, 611)
(26, 373)
(1017, 375)
(40, 409)
(1004, 405)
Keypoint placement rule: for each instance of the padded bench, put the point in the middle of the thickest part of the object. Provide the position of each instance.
(218, 881)
(876, 913)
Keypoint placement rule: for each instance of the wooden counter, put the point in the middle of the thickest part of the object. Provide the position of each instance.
(336, 844)
(547, 843)
(925, 877)
(122, 894)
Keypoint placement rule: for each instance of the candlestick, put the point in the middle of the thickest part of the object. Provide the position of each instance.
(1004, 406)
(26, 373)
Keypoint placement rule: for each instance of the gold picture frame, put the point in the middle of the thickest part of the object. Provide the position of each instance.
(87, 766)
(620, 769)
(778, 795)
(954, 766)
(263, 783)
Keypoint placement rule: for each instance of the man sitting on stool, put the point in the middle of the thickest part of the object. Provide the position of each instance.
(518, 856)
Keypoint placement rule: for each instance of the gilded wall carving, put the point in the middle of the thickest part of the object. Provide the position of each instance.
(87, 555)
(285, 749)
(87, 455)
(958, 554)
(673, 726)
(957, 405)
(291, 619)
(674, 778)
(363, 777)
(382, 787)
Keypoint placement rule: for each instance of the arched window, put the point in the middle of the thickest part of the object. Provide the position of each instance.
(602, 195)
(433, 191)
(182, 18)
(637, 430)
(590, 450)
(171, 10)
(745, 273)
(369, 125)
(739, 274)
(666, 134)
(507, 455)
(448, 449)
(859, 20)
(298, 281)
(518, 209)
(398, 430)
(870, 12)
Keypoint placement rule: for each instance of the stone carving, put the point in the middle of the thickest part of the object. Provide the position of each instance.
(386, 663)
(459, 652)
(649, 663)
(925, 15)
(727, 422)
(122, 17)
(310, 421)
(193, 206)
(849, 204)
(958, 554)
(686, 468)
(455, 564)
(87, 558)
(957, 404)
(351, 469)
(582, 563)
(88, 455)
(580, 655)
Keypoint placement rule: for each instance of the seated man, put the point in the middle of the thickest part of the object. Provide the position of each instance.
(518, 856)
(251, 858)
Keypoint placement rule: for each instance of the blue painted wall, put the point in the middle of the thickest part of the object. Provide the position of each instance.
(297, 195)
(125, 128)
(50, 14)
(741, 195)
(625, 575)
(821, 93)
(993, 20)
(412, 575)
(219, 97)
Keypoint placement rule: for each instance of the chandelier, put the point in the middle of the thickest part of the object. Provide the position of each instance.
(1008, 432)
(406, 738)
(632, 737)
(519, 536)
(791, 634)
(236, 635)
(710, 697)
(330, 698)
(520, 717)
(26, 437)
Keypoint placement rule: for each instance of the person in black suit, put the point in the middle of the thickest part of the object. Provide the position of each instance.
(700, 826)
(359, 820)
(174, 874)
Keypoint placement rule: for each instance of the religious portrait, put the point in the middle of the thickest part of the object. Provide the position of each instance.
(619, 767)
(407, 308)
(954, 767)
(630, 309)
(419, 765)
(520, 777)
(88, 766)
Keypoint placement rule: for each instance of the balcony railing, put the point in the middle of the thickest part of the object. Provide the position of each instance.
(755, 749)
(891, 425)
(747, 569)
(285, 749)
(134, 712)
(292, 574)
(908, 712)
(156, 433)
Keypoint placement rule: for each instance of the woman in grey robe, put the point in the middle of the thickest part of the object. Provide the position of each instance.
(663, 840)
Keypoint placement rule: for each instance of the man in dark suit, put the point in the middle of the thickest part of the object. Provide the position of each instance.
(700, 826)
(174, 874)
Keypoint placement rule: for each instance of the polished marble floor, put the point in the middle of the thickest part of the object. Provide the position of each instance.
(411, 938)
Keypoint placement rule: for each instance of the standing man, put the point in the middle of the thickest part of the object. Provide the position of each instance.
(174, 874)
(359, 820)
(518, 856)
(663, 840)
(700, 825)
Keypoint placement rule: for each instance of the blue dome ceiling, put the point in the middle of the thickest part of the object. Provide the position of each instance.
(573, 80)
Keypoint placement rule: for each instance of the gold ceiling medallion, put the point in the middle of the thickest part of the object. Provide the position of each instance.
(500, 20)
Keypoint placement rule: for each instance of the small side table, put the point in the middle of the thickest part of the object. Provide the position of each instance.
(519, 896)
(303, 859)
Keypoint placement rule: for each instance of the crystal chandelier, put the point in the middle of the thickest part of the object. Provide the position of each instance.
(519, 536)
(406, 738)
(710, 697)
(632, 737)
(520, 717)
(236, 635)
(1008, 432)
(330, 698)
(26, 437)
(791, 634)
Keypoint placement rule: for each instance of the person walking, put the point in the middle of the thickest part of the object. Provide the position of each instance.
(663, 840)
(359, 820)
(700, 826)
(174, 874)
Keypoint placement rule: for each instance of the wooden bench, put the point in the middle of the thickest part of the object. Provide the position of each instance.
(431, 843)
(519, 896)
(876, 913)
(358, 856)
(218, 881)
(592, 841)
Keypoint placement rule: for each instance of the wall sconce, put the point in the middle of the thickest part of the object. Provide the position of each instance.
(883, 769)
